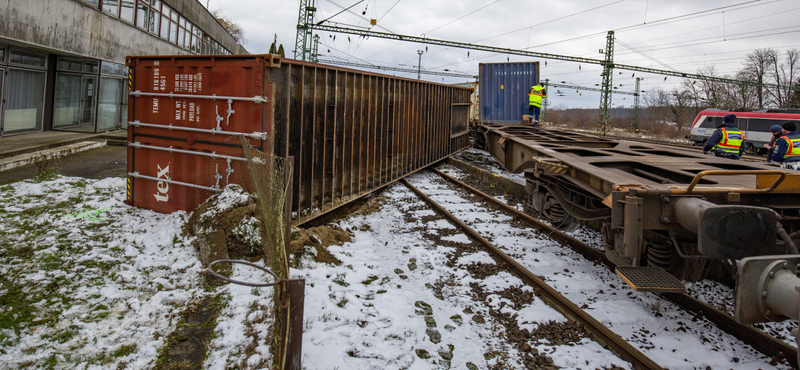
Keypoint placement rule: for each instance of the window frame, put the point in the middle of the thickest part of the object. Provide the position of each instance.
(11, 63)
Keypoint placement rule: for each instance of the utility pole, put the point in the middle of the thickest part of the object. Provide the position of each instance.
(636, 106)
(305, 20)
(544, 99)
(419, 66)
(604, 125)
(315, 50)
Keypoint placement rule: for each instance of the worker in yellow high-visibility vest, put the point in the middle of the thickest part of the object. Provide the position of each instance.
(727, 141)
(535, 102)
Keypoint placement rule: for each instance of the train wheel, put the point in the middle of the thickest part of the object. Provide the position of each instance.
(543, 204)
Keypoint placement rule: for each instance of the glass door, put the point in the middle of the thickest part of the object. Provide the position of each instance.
(88, 93)
(74, 102)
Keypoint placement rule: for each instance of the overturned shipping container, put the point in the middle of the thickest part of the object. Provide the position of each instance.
(349, 132)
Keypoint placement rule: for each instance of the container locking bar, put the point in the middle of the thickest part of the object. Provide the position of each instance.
(255, 99)
(213, 131)
(172, 150)
(139, 176)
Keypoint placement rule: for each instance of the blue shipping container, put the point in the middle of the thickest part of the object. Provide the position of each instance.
(504, 87)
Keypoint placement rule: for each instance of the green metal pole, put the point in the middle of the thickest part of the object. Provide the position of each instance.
(636, 106)
(305, 20)
(605, 96)
(544, 100)
(315, 49)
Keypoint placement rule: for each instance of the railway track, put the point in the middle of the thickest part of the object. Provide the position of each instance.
(759, 340)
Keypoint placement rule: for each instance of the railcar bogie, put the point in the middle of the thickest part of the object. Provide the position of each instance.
(655, 206)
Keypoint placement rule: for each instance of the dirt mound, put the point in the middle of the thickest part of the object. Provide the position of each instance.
(226, 226)
(320, 238)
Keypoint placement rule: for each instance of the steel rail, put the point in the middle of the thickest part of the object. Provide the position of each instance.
(547, 293)
(757, 339)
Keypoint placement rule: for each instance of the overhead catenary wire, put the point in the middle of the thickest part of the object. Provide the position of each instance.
(340, 12)
(464, 16)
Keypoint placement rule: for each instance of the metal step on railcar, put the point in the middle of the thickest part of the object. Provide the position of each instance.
(650, 279)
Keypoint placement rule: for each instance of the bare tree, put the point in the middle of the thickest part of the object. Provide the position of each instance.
(232, 26)
(756, 67)
(784, 73)
(707, 93)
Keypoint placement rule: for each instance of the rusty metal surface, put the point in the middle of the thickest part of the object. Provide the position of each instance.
(350, 132)
(606, 163)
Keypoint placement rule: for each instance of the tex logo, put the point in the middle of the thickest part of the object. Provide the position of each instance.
(162, 186)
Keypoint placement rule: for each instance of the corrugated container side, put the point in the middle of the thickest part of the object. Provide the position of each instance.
(504, 90)
(350, 132)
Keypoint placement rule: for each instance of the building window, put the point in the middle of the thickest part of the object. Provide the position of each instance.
(142, 15)
(73, 65)
(114, 69)
(163, 21)
(29, 59)
(111, 7)
(92, 3)
(126, 10)
(24, 101)
(112, 111)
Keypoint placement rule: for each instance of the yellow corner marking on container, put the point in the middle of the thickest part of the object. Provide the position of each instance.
(130, 79)
(502, 87)
(129, 189)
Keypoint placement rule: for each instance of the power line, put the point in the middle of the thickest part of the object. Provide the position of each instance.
(655, 23)
(398, 69)
(552, 20)
(464, 16)
(387, 12)
(424, 40)
(340, 12)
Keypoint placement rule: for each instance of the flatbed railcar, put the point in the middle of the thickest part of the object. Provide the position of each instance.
(350, 132)
(755, 125)
(657, 206)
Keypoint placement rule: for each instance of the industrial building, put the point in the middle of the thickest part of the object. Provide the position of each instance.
(62, 61)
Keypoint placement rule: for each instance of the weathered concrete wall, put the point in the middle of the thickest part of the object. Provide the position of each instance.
(71, 27)
(199, 15)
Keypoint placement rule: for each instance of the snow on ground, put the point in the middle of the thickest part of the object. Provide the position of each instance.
(246, 312)
(397, 303)
(86, 281)
(672, 338)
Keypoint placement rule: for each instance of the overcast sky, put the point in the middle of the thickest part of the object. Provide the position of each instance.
(681, 35)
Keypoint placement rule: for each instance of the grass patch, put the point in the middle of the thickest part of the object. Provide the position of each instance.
(124, 351)
(339, 279)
